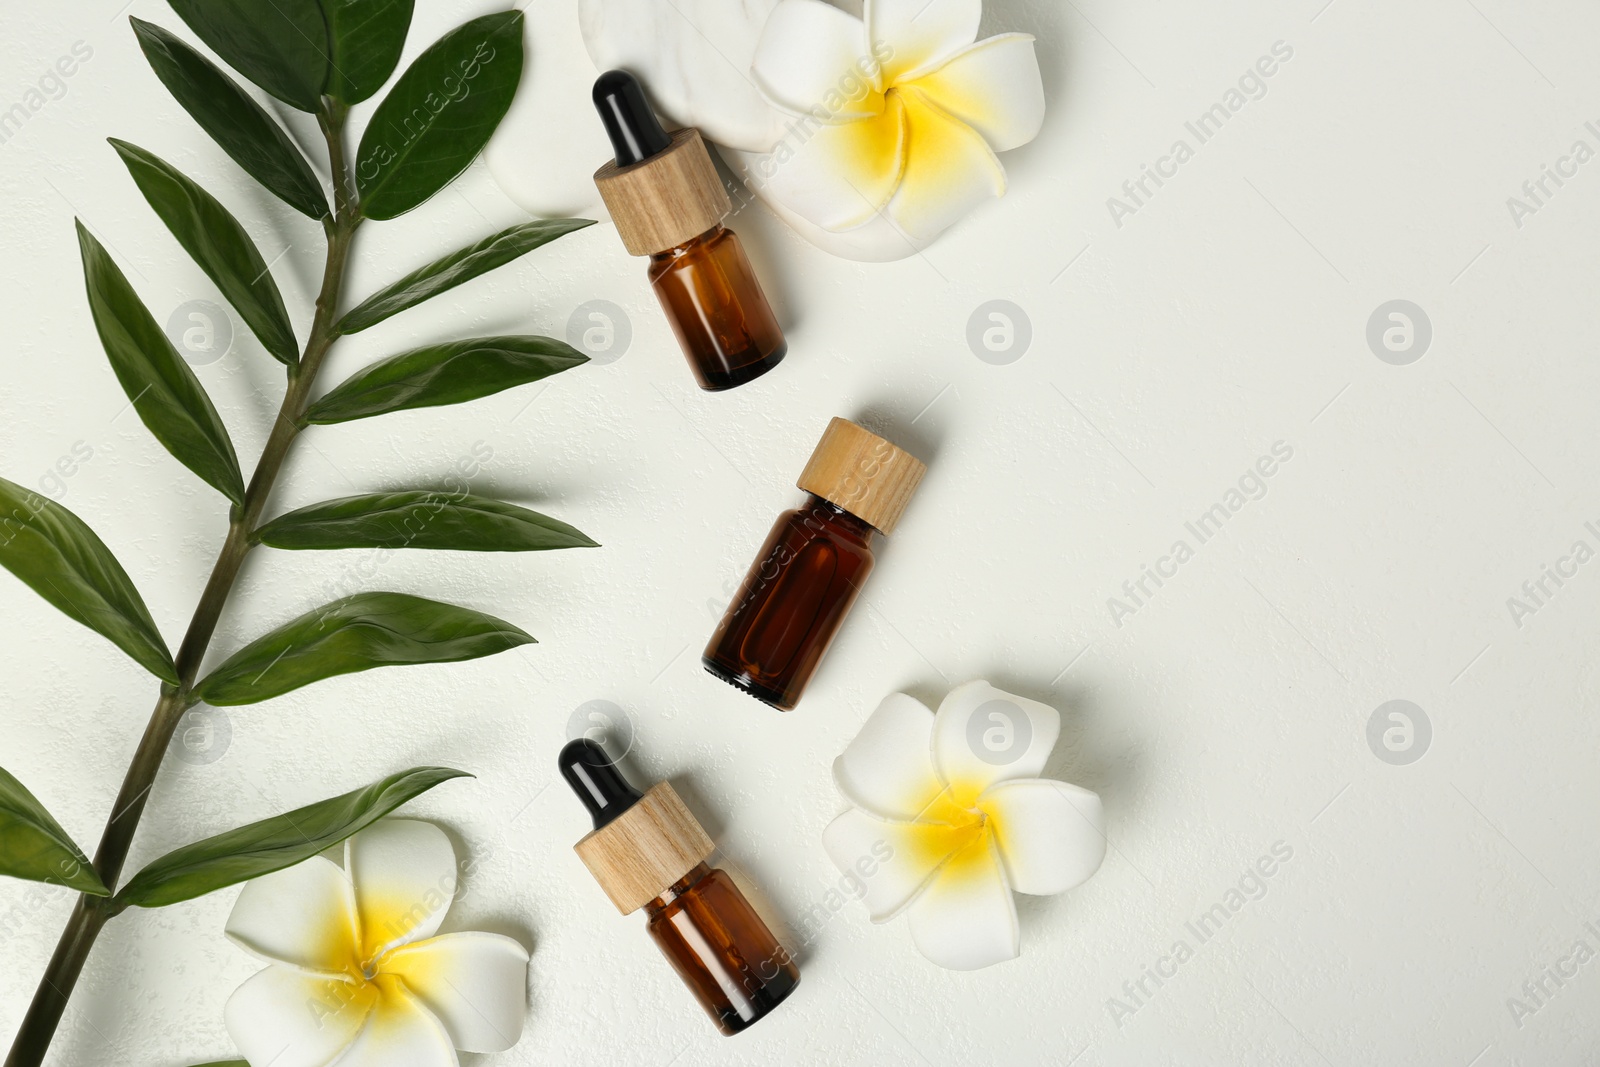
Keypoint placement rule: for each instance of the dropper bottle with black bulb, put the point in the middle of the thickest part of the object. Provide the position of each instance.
(668, 203)
(647, 850)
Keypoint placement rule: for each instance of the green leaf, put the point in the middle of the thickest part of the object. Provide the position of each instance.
(420, 519)
(366, 38)
(216, 241)
(56, 554)
(235, 121)
(439, 115)
(449, 272)
(281, 45)
(444, 374)
(160, 385)
(273, 844)
(33, 845)
(356, 633)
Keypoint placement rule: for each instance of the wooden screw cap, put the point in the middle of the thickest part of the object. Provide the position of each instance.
(661, 202)
(639, 854)
(862, 473)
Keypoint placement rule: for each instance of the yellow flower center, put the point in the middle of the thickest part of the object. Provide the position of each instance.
(952, 829)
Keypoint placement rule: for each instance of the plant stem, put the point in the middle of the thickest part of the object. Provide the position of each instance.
(91, 913)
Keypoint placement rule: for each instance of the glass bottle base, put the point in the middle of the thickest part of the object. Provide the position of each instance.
(716, 381)
(763, 1000)
(746, 684)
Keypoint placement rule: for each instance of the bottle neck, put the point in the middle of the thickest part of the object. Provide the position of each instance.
(693, 243)
(819, 510)
(677, 889)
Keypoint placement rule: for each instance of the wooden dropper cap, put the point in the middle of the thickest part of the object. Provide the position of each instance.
(661, 191)
(862, 473)
(641, 843)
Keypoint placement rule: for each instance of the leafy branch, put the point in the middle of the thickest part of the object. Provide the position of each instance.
(320, 57)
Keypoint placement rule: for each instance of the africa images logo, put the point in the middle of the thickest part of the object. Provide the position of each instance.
(1252, 85)
(1252, 485)
(51, 85)
(409, 127)
(1251, 885)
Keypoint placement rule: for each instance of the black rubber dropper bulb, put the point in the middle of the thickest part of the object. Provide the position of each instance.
(635, 132)
(595, 778)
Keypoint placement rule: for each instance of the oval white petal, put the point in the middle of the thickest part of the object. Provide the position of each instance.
(400, 1032)
(303, 916)
(1051, 835)
(888, 768)
(839, 177)
(291, 1019)
(983, 735)
(813, 59)
(994, 86)
(475, 984)
(966, 919)
(693, 57)
(552, 107)
(950, 169)
(887, 863)
(918, 35)
(404, 872)
(878, 240)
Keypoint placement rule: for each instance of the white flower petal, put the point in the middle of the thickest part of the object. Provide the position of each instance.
(878, 240)
(914, 36)
(949, 168)
(994, 86)
(693, 57)
(812, 58)
(291, 1019)
(983, 735)
(475, 984)
(552, 107)
(890, 862)
(1051, 835)
(888, 768)
(400, 1032)
(404, 871)
(966, 919)
(839, 176)
(303, 916)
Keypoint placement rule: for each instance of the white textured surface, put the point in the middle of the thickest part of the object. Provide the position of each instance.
(1225, 716)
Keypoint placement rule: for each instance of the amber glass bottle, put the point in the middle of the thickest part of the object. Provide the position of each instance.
(668, 203)
(717, 310)
(648, 851)
(720, 948)
(812, 567)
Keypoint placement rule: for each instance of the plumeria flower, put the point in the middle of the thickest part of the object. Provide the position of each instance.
(897, 116)
(951, 817)
(358, 974)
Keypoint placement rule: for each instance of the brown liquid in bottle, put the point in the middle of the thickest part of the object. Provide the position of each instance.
(668, 203)
(721, 949)
(648, 851)
(792, 602)
(717, 309)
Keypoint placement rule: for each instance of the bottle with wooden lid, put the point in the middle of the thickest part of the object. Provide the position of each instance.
(816, 558)
(647, 851)
(664, 194)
